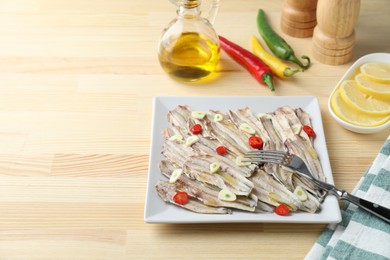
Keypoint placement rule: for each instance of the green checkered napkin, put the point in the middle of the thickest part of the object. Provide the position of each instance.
(360, 235)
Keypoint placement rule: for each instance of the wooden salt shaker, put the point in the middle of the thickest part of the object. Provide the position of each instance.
(334, 35)
(298, 17)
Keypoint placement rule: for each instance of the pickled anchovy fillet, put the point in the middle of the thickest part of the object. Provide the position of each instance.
(205, 132)
(282, 126)
(304, 118)
(267, 123)
(205, 194)
(246, 114)
(226, 134)
(171, 131)
(306, 152)
(177, 121)
(280, 174)
(237, 120)
(298, 145)
(298, 180)
(186, 113)
(272, 192)
(183, 110)
(167, 191)
(267, 132)
(208, 146)
(263, 207)
(211, 114)
(312, 203)
(291, 180)
(177, 153)
(293, 121)
(307, 184)
(245, 171)
(278, 193)
(310, 187)
(198, 167)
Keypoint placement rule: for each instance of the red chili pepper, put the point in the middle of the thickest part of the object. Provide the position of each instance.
(221, 150)
(282, 210)
(256, 142)
(196, 129)
(180, 197)
(309, 131)
(259, 70)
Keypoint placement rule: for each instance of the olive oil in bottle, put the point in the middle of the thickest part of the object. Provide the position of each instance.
(190, 58)
(189, 46)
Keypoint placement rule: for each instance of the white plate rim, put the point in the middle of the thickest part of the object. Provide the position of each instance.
(158, 211)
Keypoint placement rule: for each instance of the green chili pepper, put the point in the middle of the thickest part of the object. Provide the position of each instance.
(276, 43)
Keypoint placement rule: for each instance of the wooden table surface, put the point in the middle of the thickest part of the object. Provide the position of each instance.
(77, 79)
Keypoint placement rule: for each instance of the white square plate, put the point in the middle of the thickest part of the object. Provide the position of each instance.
(158, 211)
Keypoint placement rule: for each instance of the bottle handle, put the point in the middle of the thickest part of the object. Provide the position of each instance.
(212, 11)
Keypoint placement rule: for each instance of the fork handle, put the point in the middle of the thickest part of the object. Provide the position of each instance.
(377, 210)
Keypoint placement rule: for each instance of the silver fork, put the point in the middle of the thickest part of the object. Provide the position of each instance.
(298, 165)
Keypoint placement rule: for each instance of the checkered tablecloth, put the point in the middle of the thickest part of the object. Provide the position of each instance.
(360, 235)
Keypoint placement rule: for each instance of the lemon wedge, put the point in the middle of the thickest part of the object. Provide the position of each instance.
(376, 71)
(359, 100)
(376, 89)
(352, 115)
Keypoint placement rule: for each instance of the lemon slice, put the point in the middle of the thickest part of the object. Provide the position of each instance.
(376, 89)
(354, 116)
(362, 102)
(377, 71)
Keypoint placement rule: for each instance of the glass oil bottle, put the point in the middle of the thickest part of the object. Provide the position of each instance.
(189, 47)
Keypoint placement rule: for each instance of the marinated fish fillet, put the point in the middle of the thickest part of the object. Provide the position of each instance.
(263, 207)
(226, 133)
(280, 174)
(178, 121)
(229, 163)
(246, 114)
(205, 194)
(188, 121)
(208, 146)
(304, 118)
(306, 152)
(282, 126)
(296, 144)
(272, 192)
(266, 121)
(293, 121)
(277, 193)
(167, 191)
(176, 152)
(198, 167)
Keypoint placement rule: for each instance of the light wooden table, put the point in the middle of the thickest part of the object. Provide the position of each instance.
(77, 80)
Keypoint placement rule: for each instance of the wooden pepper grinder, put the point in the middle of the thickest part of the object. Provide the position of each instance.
(334, 35)
(299, 17)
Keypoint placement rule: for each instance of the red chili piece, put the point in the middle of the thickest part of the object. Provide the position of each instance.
(256, 142)
(221, 150)
(309, 131)
(259, 70)
(196, 129)
(282, 210)
(180, 197)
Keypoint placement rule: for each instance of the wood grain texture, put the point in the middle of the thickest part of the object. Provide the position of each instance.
(77, 80)
(334, 35)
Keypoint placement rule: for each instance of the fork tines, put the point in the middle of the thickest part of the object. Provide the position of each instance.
(263, 156)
